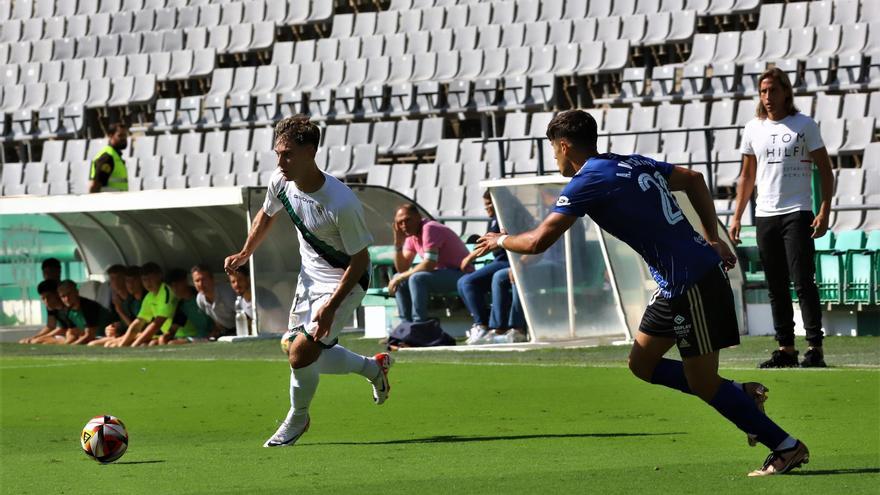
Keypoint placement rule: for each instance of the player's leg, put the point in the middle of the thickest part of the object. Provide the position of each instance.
(337, 360)
(646, 361)
(301, 354)
(708, 324)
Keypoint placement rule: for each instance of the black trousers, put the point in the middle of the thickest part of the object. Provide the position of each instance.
(787, 253)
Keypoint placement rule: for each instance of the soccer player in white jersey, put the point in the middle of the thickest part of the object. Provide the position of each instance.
(334, 276)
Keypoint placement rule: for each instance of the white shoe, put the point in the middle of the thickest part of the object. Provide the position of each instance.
(287, 434)
(476, 335)
(510, 337)
(381, 385)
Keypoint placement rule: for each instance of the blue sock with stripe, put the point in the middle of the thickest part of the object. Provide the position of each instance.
(740, 409)
(670, 373)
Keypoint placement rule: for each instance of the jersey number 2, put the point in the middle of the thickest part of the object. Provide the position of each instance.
(670, 210)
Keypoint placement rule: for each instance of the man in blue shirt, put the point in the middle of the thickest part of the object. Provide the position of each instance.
(629, 197)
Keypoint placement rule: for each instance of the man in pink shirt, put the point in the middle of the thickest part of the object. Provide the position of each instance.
(441, 252)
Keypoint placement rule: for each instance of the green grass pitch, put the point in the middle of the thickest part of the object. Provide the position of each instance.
(545, 421)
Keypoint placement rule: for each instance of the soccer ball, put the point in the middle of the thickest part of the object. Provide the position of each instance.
(104, 438)
(287, 338)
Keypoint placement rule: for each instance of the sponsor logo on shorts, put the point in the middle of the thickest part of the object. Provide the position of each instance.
(681, 329)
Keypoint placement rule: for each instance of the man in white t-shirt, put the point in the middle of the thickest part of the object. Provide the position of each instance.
(333, 240)
(779, 149)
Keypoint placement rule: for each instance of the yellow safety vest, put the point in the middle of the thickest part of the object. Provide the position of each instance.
(119, 177)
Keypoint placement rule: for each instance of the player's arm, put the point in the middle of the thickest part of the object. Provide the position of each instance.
(744, 188)
(823, 163)
(693, 184)
(130, 334)
(534, 241)
(87, 336)
(103, 169)
(259, 228)
(359, 263)
(147, 335)
(120, 311)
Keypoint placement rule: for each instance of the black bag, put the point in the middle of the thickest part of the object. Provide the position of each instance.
(419, 334)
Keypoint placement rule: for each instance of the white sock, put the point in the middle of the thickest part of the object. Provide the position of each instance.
(303, 383)
(786, 444)
(338, 360)
(737, 385)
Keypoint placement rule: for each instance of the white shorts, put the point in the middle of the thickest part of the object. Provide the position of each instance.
(306, 304)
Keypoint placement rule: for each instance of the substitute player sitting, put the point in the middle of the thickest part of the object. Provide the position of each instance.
(333, 241)
(629, 197)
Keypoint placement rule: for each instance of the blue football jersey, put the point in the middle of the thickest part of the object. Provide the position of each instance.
(628, 197)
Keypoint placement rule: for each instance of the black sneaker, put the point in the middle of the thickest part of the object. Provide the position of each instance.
(780, 359)
(814, 358)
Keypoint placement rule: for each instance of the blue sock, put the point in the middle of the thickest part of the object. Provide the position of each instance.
(670, 373)
(740, 409)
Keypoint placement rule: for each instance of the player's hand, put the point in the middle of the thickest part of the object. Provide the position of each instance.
(487, 243)
(234, 261)
(820, 225)
(399, 236)
(324, 319)
(394, 283)
(733, 230)
(727, 256)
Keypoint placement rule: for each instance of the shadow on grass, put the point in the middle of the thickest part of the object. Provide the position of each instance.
(824, 472)
(138, 462)
(467, 439)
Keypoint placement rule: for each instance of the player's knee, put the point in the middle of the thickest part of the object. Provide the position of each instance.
(419, 278)
(639, 368)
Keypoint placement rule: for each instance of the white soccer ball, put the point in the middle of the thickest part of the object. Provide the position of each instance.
(104, 438)
(286, 339)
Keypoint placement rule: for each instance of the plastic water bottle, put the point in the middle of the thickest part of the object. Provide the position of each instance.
(241, 324)
(241, 320)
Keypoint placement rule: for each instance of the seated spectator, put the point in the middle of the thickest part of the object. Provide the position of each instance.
(189, 323)
(268, 305)
(473, 287)
(56, 314)
(87, 317)
(128, 309)
(157, 310)
(442, 253)
(215, 300)
(118, 292)
(51, 269)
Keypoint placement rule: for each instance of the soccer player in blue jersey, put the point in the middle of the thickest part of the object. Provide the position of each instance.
(630, 198)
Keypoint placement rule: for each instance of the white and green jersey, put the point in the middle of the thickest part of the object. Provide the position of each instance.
(330, 227)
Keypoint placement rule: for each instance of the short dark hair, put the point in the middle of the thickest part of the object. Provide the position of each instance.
(112, 127)
(51, 263)
(202, 268)
(133, 271)
(298, 130)
(487, 195)
(577, 126)
(47, 286)
(176, 275)
(67, 283)
(151, 268)
(117, 269)
(410, 208)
